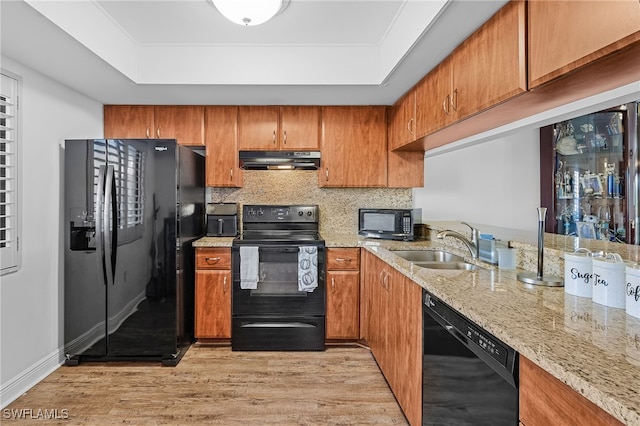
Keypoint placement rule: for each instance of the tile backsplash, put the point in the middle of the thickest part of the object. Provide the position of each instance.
(338, 206)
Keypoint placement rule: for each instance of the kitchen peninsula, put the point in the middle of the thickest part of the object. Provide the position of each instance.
(593, 349)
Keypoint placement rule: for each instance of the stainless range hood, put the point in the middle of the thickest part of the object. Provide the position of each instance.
(279, 160)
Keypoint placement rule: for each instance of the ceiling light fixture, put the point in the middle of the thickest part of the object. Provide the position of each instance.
(249, 12)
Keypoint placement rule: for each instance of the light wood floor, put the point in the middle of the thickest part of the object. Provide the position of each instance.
(213, 385)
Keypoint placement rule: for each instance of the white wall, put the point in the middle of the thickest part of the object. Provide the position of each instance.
(493, 178)
(494, 183)
(31, 298)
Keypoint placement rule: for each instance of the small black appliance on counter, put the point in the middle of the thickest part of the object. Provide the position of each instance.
(222, 219)
(389, 224)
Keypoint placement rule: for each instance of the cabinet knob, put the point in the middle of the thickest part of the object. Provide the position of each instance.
(148, 132)
(158, 132)
(285, 137)
(274, 136)
(410, 126)
(224, 284)
(326, 174)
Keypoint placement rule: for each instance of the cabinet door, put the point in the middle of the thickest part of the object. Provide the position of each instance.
(128, 121)
(343, 300)
(354, 147)
(545, 400)
(221, 137)
(402, 121)
(185, 123)
(258, 127)
(433, 100)
(490, 66)
(213, 304)
(299, 128)
(405, 336)
(565, 35)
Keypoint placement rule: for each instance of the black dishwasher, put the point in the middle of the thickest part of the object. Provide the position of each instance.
(470, 377)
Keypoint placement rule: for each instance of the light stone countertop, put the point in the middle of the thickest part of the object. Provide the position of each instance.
(592, 348)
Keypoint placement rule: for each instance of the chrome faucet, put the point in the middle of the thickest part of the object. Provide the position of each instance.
(472, 244)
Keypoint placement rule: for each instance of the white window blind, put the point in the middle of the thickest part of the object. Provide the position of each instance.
(9, 230)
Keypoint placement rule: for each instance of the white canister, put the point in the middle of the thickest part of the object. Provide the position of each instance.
(609, 286)
(578, 273)
(633, 290)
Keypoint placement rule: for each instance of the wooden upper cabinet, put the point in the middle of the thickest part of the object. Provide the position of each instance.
(433, 99)
(490, 66)
(221, 139)
(278, 128)
(405, 169)
(565, 35)
(128, 121)
(354, 147)
(299, 127)
(486, 69)
(185, 123)
(402, 121)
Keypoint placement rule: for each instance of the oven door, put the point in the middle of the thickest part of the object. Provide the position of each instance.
(276, 293)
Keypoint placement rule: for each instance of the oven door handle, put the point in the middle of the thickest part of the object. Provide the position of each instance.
(293, 324)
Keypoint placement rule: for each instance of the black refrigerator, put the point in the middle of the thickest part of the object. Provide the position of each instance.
(132, 208)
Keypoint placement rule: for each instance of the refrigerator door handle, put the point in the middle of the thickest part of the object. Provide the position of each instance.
(99, 225)
(110, 227)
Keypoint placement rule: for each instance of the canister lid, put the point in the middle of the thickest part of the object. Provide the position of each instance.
(610, 261)
(633, 268)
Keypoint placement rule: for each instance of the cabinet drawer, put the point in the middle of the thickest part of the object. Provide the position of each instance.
(213, 258)
(342, 259)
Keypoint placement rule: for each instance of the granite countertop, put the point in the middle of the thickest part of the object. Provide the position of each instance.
(592, 348)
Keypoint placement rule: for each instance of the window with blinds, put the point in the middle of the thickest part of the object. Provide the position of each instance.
(9, 230)
(128, 170)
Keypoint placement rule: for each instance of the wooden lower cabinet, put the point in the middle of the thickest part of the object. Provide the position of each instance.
(545, 400)
(213, 293)
(392, 312)
(343, 293)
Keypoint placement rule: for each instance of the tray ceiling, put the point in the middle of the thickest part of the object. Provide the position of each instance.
(185, 52)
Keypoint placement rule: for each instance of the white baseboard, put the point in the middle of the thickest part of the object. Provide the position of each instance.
(30, 377)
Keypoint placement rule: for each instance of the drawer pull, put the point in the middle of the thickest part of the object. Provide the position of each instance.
(212, 259)
(343, 259)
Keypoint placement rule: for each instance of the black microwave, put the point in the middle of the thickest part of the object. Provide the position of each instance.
(389, 224)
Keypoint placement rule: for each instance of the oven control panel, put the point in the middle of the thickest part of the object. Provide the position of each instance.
(278, 213)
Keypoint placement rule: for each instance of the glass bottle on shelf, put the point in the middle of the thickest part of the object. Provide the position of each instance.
(585, 187)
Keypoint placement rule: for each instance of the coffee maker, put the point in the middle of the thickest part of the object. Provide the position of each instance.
(222, 219)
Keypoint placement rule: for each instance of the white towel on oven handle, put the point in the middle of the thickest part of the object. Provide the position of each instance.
(249, 264)
(307, 268)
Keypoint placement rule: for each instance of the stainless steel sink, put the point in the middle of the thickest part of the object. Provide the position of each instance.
(435, 259)
(428, 256)
(447, 265)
